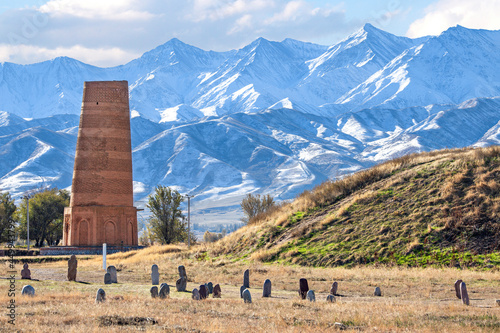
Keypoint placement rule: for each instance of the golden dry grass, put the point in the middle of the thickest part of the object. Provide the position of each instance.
(416, 300)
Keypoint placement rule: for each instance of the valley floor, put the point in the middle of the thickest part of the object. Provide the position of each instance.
(416, 300)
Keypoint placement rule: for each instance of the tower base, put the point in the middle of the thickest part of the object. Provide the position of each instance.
(95, 225)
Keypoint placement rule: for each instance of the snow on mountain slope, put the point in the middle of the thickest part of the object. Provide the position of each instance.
(36, 157)
(168, 76)
(351, 61)
(472, 123)
(256, 77)
(179, 82)
(47, 88)
(455, 66)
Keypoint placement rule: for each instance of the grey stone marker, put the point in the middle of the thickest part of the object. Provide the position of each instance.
(203, 291)
(182, 271)
(181, 283)
(196, 294)
(333, 290)
(161, 285)
(377, 292)
(26, 273)
(107, 278)
(247, 297)
(246, 279)
(303, 288)
(155, 275)
(164, 291)
(242, 288)
(464, 294)
(28, 290)
(72, 265)
(101, 296)
(310, 296)
(154, 291)
(331, 299)
(217, 292)
(266, 289)
(457, 288)
(112, 273)
(210, 287)
(498, 302)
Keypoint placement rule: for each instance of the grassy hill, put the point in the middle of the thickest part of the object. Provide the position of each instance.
(439, 208)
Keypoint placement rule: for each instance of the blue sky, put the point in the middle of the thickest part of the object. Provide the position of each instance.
(113, 32)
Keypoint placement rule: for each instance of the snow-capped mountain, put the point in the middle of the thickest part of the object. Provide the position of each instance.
(272, 117)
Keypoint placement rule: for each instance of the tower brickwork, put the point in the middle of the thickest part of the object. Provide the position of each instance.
(101, 208)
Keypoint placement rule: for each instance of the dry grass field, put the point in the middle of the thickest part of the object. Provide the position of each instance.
(413, 300)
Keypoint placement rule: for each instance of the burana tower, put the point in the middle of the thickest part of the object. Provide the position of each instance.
(101, 208)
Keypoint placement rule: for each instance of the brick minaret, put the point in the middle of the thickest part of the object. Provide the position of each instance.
(101, 208)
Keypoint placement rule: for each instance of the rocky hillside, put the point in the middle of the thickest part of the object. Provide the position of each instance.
(438, 208)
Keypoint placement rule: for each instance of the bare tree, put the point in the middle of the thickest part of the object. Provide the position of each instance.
(254, 205)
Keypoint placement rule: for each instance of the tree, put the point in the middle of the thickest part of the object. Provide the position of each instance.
(46, 216)
(254, 205)
(7, 210)
(166, 223)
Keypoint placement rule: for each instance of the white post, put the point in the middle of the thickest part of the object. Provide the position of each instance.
(28, 222)
(189, 222)
(104, 249)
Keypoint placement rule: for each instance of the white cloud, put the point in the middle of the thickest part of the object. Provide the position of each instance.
(446, 13)
(31, 54)
(96, 9)
(219, 9)
(244, 22)
(91, 30)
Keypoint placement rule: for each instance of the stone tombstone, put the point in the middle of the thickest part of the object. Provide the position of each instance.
(242, 288)
(72, 265)
(210, 287)
(101, 296)
(28, 290)
(155, 275)
(107, 278)
(112, 273)
(164, 291)
(498, 302)
(311, 297)
(247, 297)
(26, 273)
(161, 285)
(154, 291)
(303, 288)
(246, 278)
(377, 292)
(464, 294)
(196, 295)
(266, 289)
(181, 283)
(333, 290)
(330, 298)
(217, 291)
(203, 291)
(182, 271)
(457, 288)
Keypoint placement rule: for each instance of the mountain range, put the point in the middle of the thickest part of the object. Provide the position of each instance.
(271, 117)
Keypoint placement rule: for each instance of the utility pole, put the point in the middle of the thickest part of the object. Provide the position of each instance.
(189, 219)
(27, 198)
